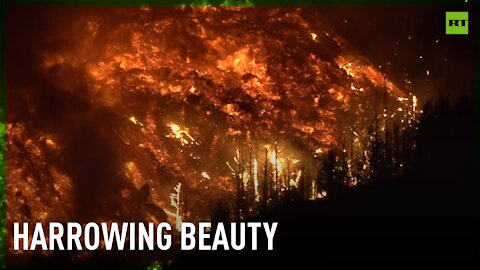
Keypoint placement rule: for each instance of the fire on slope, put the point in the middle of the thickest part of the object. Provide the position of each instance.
(168, 113)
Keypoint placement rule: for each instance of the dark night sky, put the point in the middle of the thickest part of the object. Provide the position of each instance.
(411, 40)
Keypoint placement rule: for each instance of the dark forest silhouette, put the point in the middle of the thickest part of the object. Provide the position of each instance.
(424, 214)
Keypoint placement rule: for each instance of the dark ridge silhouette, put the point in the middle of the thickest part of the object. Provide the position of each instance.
(427, 215)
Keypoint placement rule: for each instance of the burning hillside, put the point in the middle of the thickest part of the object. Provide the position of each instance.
(166, 113)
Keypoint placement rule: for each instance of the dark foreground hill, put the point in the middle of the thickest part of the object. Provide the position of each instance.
(386, 222)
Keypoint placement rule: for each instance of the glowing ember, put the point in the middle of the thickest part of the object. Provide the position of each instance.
(205, 175)
(134, 120)
(175, 203)
(415, 100)
(322, 194)
(181, 134)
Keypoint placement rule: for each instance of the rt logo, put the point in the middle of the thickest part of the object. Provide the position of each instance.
(457, 23)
